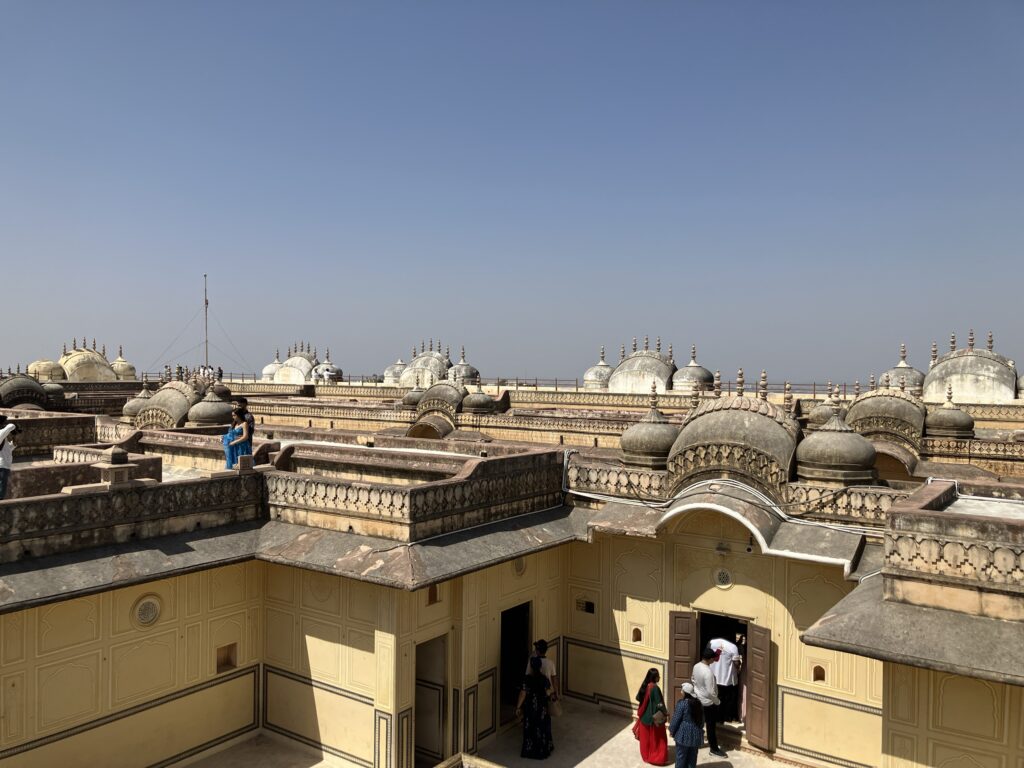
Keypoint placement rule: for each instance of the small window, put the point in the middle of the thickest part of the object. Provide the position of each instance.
(638, 635)
(227, 657)
(819, 674)
(585, 606)
(433, 598)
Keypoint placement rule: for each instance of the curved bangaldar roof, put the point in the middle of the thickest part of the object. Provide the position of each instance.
(735, 436)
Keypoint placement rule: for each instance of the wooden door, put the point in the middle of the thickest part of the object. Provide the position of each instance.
(759, 680)
(684, 639)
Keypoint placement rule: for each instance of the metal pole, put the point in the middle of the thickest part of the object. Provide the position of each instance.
(206, 324)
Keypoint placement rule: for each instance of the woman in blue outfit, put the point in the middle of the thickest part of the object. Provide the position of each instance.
(687, 727)
(238, 441)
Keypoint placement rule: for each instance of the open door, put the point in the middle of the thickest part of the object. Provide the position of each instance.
(759, 678)
(684, 640)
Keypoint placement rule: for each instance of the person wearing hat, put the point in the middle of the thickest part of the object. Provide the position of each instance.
(706, 688)
(687, 727)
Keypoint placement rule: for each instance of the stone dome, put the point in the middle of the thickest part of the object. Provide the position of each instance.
(823, 412)
(979, 376)
(210, 410)
(132, 407)
(693, 376)
(46, 370)
(295, 370)
(949, 421)
(636, 372)
(912, 378)
(412, 397)
(87, 365)
(462, 372)
(735, 436)
(271, 368)
(835, 453)
(648, 442)
(393, 373)
(427, 368)
(596, 376)
(478, 401)
(124, 370)
(20, 389)
(326, 371)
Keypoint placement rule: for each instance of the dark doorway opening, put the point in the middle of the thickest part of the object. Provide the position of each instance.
(715, 626)
(431, 701)
(514, 652)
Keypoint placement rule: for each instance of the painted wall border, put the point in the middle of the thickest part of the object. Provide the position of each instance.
(492, 674)
(780, 722)
(114, 716)
(597, 698)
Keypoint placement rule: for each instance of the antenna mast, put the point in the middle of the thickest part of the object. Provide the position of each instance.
(206, 325)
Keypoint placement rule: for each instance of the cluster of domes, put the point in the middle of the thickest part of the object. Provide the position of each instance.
(635, 372)
(81, 363)
(197, 402)
(301, 366)
(429, 366)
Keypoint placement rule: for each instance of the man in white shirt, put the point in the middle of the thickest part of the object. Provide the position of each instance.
(727, 675)
(706, 688)
(7, 430)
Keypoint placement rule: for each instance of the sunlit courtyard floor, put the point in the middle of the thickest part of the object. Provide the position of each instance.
(583, 736)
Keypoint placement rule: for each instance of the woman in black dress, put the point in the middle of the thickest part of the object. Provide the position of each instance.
(533, 707)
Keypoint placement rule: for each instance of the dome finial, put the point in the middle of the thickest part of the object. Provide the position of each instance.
(430, 346)
(693, 354)
(935, 353)
(717, 386)
(990, 342)
(885, 381)
(952, 342)
(903, 353)
(634, 343)
(120, 350)
(622, 352)
(739, 383)
(602, 353)
(654, 393)
(787, 397)
(647, 345)
(328, 354)
(657, 344)
(670, 355)
(74, 343)
(856, 389)
(413, 353)
(762, 385)
(314, 353)
(828, 389)
(903, 383)
(65, 347)
(93, 343)
(835, 396)
(423, 346)
(277, 355)
(447, 351)
(462, 353)
(970, 339)
(103, 350)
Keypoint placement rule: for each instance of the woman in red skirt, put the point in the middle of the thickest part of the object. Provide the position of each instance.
(650, 721)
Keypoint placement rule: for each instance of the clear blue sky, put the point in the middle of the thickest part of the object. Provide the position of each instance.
(791, 185)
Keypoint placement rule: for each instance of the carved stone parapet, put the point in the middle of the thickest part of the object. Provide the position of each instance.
(860, 505)
(611, 479)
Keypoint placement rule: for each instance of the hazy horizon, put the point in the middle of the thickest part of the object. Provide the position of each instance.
(794, 186)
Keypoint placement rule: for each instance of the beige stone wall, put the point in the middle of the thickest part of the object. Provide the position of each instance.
(329, 654)
(938, 719)
(635, 584)
(84, 677)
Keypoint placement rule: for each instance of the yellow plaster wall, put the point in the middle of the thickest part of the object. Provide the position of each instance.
(329, 652)
(86, 662)
(949, 721)
(635, 583)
